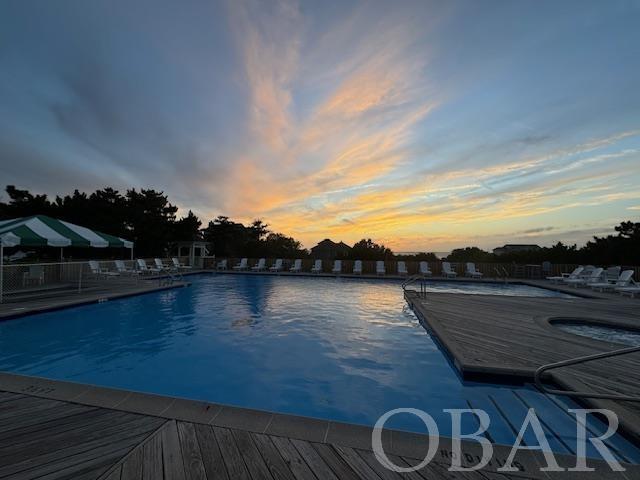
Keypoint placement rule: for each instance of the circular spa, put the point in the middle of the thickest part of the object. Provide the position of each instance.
(597, 331)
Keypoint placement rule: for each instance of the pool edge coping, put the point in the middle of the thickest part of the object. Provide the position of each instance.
(91, 300)
(395, 442)
(499, 373)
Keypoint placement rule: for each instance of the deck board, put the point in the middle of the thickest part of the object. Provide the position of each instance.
(490, 335)
(96, 443)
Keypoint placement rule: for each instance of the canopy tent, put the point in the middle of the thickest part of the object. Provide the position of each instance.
(43, 231)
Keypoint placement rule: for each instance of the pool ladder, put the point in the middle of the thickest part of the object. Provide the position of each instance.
(170, 277)
(579, 360)
(413, 279)
(502, 272)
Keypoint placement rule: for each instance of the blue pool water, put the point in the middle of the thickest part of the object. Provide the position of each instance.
(340, 349)
(600, 332)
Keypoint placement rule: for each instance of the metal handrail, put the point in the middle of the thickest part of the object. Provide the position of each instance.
(413, 279)
(574, 361)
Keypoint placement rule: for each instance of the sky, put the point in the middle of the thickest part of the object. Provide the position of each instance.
(424, 125)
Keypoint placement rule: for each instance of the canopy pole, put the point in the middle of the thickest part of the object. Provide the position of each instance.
(61, 255)
(131, 254)
(1, 268)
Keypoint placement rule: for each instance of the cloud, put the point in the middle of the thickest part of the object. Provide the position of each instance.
(415, 125)
(353, 133)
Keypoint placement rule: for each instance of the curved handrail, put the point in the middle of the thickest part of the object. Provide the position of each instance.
(588, 358)
(411, 279)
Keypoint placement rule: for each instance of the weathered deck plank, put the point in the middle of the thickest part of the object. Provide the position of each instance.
(95, 443)
(488, 335)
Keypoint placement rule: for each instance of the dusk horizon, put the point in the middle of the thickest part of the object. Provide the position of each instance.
(426, 126)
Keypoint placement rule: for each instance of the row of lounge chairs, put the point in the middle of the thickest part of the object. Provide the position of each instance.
(140, 267)
(599, 279)
(296, 267)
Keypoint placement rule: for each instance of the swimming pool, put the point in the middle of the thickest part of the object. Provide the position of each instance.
(339, 349)
(611, 334)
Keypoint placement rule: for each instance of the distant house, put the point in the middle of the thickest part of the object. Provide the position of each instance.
(328, 249)
(513, 247)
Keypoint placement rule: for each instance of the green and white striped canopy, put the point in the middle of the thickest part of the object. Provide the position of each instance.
(40, 231)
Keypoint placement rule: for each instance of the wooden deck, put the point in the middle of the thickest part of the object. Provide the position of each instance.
(490, 337)
(92, 292)
(42, 438)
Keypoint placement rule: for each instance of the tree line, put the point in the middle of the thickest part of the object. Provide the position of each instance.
(149, 219)
(621, 248)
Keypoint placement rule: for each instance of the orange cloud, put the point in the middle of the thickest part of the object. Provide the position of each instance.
(344, 164)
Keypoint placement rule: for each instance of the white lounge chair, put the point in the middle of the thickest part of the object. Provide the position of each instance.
(380, 270)
(337, 267)
(317, 267)
(122, 268)
(144, 268)
(222, 264)
(632, 289)
(402, 268)
(261, 265)
(357, 267)
(99, 272)
(160, 265)
(277, 266)
(624, 280)
(35, 273)
(242, 265)
(594, 277)
(178, 265)
(424, 269)
(612, 274)
(471, 271)
(297, 266)
(446, 270)
(565, 276)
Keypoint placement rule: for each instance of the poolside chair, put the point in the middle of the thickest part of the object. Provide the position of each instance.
(594, 277)
(632, 289)
(446, 270)
(99, 272)
(35, 273)
(144, 268)
(317, 266)
(222, 264)
(559, 278)
(584, 274)
(180, 266)
(612, 273)
(297, 266)
(337, 267)
(471, 271)
(380, 270)
(424, 269)
(243, 265)
(160, 264)
(122, 268)
(624, 280)
(261, 265)
(277, 266)
(402, 268)
(357, 267)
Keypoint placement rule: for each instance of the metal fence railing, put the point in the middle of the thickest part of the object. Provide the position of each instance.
(488, 270)
(24, 281)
